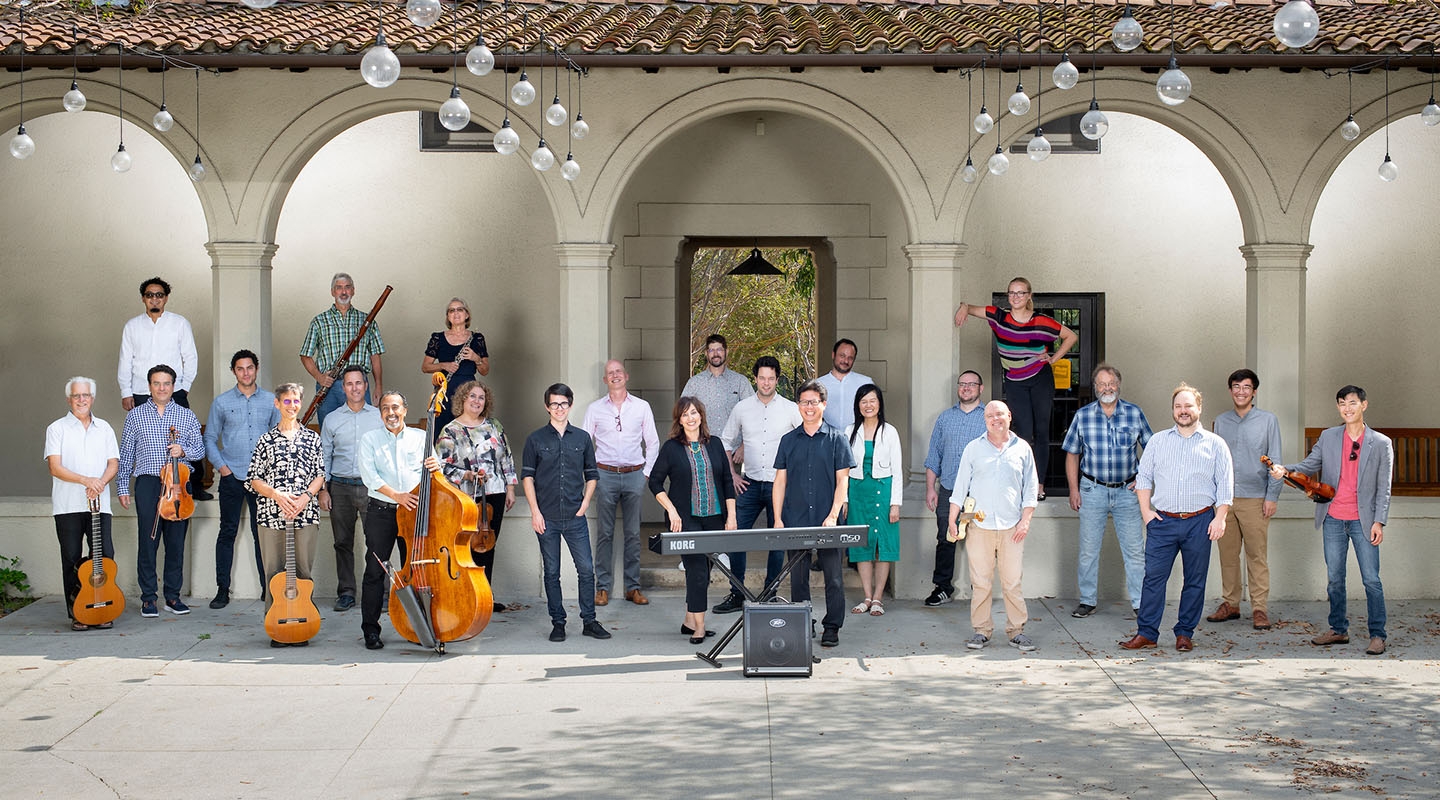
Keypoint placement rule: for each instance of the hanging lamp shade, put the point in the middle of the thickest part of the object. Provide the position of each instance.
(756, 265)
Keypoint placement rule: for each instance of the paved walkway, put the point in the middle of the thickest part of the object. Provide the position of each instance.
(201, 706)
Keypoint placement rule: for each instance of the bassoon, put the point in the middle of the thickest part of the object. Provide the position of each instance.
(335, 369)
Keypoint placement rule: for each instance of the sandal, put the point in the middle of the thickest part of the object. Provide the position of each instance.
(104, 626)
(79, 626)
(861, 607)
(877, 609)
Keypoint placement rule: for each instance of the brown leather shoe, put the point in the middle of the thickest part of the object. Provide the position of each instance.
(1330, 637)
(1377, 646)
(1260, 620)
(602, 597)
(1183, 644)
(1224, 613)
(1138, 643)
(637, 597)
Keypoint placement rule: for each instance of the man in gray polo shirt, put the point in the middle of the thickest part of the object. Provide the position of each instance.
(344, 494)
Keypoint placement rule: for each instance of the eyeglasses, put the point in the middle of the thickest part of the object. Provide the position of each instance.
(617, 423)
(291, 401)
(1103, 386)
(154, 295)
(1354, 450)
(558, 406)
(82, 396)
(969, 383)
(1017, 294)
(808, 403)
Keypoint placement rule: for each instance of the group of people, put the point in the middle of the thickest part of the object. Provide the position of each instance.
(733, 451)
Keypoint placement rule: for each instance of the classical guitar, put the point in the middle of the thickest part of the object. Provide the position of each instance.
(968, 514)
(100, 600)
(1313, 489)
(293, 617)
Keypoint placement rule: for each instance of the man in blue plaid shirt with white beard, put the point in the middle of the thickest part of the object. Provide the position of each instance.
(1102, 452)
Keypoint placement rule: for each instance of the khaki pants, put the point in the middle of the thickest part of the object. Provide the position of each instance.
(1245, 526)
(985, 550)
(272, 551)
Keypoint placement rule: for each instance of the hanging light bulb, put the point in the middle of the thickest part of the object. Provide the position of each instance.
(1388, 171)
(422, 13)
(1127, 32)
(984, 123)
(162, 120)
(999, 162)
(542, 159)
(1297, 24)
(1094, 124)
(570, 170)
(1174, 85)
(1430, 114)
(523, 92)
(507, 141)
(969, 173)
(74, 100)
(1350, 129)
(1065, 74)
(258, 4)
(580, 128)
(21, 145)
(454, 114)
(197, 170)
(1039, 147)
(120, 162)
(380, 67)
(480, 60)
(1019, 103)
(556, 114)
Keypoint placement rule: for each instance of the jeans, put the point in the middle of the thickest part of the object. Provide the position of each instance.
(334, 399)
(1339, 535)
(1165, 537)
(73, 532)
(1097, 503)
(576, 533)
(1030, 403)
(834, 570)
(145, 491)
(624, 490)
(748, 505)
(233, 499)
(347, 503)
(944, 577)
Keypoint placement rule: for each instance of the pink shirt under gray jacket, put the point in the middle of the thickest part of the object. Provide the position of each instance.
(624, 434)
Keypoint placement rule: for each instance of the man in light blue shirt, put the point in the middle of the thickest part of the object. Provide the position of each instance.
(956, 427)
(1185, 486)
(344, 494)
(238, 418)
(998, 471)
(390, 463)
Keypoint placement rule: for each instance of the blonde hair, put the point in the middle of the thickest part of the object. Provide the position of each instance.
(1029, 291)
(1185, 387)
(463, 305)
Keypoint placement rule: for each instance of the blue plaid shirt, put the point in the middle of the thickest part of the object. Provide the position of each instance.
(1107, 445)
(953, 430)
(147, 437)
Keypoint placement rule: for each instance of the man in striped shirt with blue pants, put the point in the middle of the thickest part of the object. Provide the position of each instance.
(1185, 484)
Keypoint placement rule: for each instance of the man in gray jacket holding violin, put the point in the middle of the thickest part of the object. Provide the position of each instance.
(1359, 462)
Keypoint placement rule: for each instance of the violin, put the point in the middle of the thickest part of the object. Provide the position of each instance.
(1313, 489)
(175, 500)
(440, 595)
(100, 600)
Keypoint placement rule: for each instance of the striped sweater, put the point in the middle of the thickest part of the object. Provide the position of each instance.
(1023, 346)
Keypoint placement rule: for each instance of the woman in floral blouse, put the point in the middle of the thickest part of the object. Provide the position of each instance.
(475, 455)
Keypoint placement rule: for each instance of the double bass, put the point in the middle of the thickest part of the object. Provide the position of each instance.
(100, 601)
(439, 595)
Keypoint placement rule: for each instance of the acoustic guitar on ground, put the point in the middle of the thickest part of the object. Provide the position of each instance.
(293, 618)
(100, 601)
(1313, 489)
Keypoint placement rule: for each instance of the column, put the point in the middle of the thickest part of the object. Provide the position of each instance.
(584, 314)
(240, 306)
(934, 349)
(1275, 333)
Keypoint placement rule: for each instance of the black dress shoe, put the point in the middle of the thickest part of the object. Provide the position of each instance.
(274, 643)
(830, 638)
(595, 630)
(222, 599)
(202, 495)
(557, 632)
(306, 643)
(372, 641)
(689, 631)
(733, 602)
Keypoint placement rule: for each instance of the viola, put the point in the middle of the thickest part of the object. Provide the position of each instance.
(439, 594)
(100, 599)
(175, 500)
(293, 617)
(1313, 489)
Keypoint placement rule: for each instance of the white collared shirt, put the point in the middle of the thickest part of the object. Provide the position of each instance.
(143, 344)
(840, 399)
(83, 450)
(758, 426)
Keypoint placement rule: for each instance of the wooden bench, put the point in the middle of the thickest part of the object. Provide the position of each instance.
(1417, 459)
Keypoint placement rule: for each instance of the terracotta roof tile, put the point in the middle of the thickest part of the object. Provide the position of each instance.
(721, 26)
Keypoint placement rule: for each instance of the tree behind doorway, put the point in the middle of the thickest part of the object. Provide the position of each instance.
(757, 314)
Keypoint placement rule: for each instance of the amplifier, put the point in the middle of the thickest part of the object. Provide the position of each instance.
(777, 640)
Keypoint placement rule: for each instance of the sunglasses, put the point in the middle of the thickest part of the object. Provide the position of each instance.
(1354, 450)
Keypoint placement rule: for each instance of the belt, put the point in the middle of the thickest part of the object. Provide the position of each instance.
(1183, 514)
(346, 481)
(1107, 484)
(620, 470)
(382, 505)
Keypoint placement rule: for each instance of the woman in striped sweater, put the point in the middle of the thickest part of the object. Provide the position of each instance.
(1028, 344)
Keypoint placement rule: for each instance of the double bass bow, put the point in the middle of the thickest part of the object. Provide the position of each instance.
(335, 369)
(439, 594)
(1313, 488)
(100, 601)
